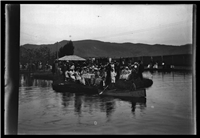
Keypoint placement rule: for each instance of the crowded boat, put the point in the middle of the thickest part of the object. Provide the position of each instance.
(112, 73)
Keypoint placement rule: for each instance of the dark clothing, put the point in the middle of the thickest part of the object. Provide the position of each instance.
(108, 76)
(124, 85)
(141, 69)
(117, 68)
(133, 76)
(140, 76)
(63, 69)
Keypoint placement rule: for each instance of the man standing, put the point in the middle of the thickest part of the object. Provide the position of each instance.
(141, 69)
(108, 74)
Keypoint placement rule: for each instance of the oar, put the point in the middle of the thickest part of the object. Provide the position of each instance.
(103, 90)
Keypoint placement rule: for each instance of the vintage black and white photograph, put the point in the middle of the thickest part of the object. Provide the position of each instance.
(106, 69)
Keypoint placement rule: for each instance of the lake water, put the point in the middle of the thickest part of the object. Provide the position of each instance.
(167, 109)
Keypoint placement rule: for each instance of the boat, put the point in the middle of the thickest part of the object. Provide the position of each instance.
(125, 93)
(79, 88)
(138, 89)
(108, 91)
(74, 87)
(122, 89)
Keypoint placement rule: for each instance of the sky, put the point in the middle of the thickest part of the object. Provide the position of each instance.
(150, 24)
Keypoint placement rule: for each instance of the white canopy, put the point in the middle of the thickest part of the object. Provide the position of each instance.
(72, 58)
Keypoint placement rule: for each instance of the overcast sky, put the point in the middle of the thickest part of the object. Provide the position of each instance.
(151, 24)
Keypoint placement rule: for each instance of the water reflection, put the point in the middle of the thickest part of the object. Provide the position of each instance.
(39, 104)
(77, 104)
(108, 106)
(139, 103)
(90, 103)
(105, 104)
(28, 80)
(66, 98)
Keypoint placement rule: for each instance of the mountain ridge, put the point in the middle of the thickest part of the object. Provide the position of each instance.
(96, 48)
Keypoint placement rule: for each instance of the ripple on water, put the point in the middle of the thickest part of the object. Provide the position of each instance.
(166, 110)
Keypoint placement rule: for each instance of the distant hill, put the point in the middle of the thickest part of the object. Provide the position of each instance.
(94, 48)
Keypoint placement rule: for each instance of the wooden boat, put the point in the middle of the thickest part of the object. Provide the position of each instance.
(125, 93)
(74, 87)
(80, 88)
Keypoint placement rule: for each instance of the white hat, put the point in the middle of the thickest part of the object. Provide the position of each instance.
(72, 67)
(135, 66)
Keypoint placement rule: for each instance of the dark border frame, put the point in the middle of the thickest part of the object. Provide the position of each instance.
(12, 41)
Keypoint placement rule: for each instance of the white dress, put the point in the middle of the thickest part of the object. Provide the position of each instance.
(72, 75)
(113, 74)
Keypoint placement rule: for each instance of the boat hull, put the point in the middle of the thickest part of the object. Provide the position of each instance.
(134, 85)
(126, 93)
(138, 90)
(73, 87)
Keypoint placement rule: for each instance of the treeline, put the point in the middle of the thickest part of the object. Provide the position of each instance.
(67, 49)
(44, 54)
(176, 60)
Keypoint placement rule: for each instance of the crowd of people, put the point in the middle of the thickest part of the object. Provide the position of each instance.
(35, 66)
(98, 74)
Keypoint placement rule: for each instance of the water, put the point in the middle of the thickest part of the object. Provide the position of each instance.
(167, 109)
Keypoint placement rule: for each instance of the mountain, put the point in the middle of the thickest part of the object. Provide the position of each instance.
(94, 48)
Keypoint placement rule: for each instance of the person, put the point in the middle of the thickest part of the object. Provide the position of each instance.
(72, 66)
(67, 75)
(40, 66)
(140, 69)
(155, 66)
(92, 75)
(71, 73)
(98, 78)
(126, 82)
(117, 68)
(103, 76)
(113, 74)
(82, 81)
(108, 74)
(85, 75)
(84, 70)
(125, 73)
(63, 69)
(81, 72)
(134, 73)
(163, 65)
(77, 76)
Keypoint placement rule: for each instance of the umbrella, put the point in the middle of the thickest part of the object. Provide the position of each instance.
(72, 58)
